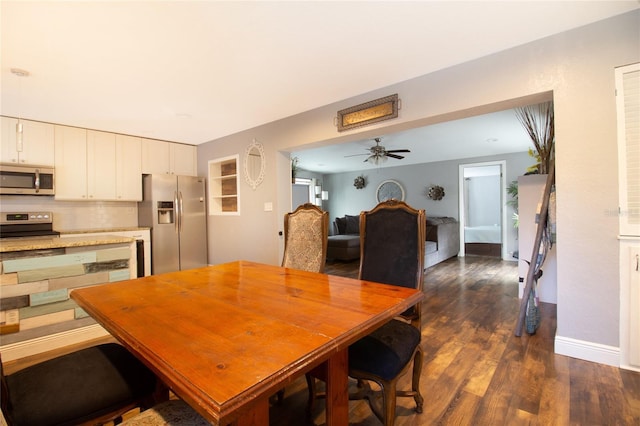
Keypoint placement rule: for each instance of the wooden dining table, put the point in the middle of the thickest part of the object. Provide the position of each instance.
(226, 337)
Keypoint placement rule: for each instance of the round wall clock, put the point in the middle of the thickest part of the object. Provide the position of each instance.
(389, 189)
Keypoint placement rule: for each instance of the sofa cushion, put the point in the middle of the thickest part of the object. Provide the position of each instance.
(353, 225)
(438, 220)
(430, 247)
(341, 224)
(344, 241)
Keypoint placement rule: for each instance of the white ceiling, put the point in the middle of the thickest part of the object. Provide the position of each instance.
(195, 71)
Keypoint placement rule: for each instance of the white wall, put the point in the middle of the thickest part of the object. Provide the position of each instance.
(576, 67)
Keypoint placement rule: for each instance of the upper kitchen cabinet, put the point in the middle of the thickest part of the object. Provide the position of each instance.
(128, 168)
(70, 163)
(93, 165)
(101, 165)
(36, 147)
(161, 157)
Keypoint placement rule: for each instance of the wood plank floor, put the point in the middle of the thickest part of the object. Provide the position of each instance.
(476, 372)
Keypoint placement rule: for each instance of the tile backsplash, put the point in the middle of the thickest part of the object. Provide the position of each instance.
(76, 215)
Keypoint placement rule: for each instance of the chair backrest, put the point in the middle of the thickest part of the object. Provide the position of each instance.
(392, 239)
(305, 238)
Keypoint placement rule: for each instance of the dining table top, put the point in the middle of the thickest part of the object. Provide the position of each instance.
(223, 336)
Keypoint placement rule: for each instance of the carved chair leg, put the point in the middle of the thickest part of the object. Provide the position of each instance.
(415, 381)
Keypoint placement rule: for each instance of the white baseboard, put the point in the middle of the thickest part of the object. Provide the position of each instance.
(588, 351)
(39, 345)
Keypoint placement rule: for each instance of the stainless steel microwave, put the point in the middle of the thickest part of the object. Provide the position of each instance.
(26, 180)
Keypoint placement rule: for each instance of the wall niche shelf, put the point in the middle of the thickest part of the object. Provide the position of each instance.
(224, 187)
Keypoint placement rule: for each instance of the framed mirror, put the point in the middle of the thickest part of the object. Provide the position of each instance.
(254, 164)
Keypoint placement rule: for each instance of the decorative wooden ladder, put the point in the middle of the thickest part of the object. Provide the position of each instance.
(542, 223)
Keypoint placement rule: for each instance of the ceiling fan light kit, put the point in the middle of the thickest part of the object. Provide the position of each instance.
(378, 154)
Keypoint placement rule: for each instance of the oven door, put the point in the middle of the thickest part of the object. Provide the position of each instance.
(26, 180)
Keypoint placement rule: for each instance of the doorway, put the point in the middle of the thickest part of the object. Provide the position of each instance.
(482, 213)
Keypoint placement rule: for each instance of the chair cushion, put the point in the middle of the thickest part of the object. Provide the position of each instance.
(386, 351)
(169, 413)
(78, 386)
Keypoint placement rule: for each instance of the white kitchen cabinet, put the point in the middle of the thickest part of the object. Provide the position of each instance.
(37, 147)
(627, 103)
(94, 165)
(101, 166)
(161, 157)
(70, 163)
(182, 159)
(128, 168)
(155, 156)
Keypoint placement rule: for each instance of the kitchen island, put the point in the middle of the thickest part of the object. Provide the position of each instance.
(37, 277)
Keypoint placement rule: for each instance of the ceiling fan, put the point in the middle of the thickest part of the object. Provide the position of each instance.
(378, 154)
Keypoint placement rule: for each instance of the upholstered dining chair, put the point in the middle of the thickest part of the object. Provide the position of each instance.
(305, 238)
(392, 239)
(89, 386)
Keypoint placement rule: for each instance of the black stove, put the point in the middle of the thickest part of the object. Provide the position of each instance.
(27, 225)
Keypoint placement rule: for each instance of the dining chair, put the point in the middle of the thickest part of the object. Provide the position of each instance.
(305, 238)
(392, 239)
(90, 386)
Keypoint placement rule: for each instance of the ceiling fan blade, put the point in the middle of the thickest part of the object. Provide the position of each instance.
(398, 150)
(399, 157)
(355, 155)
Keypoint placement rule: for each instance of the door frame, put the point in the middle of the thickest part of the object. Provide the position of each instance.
(503, 197)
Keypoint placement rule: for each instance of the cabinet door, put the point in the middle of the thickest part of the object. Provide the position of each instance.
(183, 159)
(155, 156)
(101, 165)
(70, 163)
(628, 104)
(37, 146)
(128, 168)
(8, 151)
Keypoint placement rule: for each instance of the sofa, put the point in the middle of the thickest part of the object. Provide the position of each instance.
(443, 240)
(344, 243)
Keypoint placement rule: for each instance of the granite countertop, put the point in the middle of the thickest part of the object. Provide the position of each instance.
(55, 242)
(106, 230)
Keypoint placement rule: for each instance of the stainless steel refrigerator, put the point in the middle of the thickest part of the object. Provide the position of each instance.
(174, 208)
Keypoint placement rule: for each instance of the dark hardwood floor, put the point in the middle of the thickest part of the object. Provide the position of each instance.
(476, 372)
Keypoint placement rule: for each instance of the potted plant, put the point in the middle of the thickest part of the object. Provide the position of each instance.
(538, 122)
(294, 169)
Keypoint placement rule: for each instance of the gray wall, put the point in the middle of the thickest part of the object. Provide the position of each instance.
(576, 68)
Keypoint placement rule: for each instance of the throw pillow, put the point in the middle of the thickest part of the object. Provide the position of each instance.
(341, 223)
(353, 224)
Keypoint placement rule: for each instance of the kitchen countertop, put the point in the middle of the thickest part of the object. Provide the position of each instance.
(106, 230)
(55, 242)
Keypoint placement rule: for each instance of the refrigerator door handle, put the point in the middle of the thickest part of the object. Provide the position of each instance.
(181, 210)
(176, 209)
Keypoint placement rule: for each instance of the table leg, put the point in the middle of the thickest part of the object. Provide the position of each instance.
(338, 389)
(258, 415)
